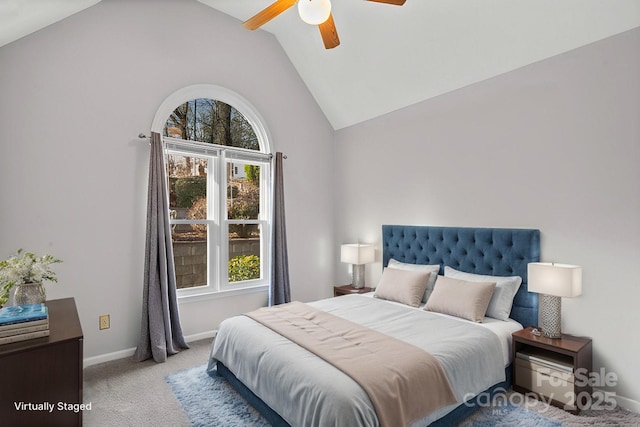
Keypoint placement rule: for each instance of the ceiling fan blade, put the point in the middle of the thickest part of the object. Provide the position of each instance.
(329, 33)
(396, 2)
(267, 14)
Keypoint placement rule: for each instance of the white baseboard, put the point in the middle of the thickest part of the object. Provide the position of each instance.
(108, 357)
(201, 336)
(121, 354)
(621, 401)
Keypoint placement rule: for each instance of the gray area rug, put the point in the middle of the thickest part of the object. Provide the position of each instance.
(211, 401)
(595, 417)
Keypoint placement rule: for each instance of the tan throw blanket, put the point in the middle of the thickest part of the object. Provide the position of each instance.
(404, 382)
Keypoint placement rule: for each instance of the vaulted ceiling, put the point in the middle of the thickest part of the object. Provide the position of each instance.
(390, 56)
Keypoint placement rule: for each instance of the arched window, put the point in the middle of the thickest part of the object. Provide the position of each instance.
(217, 161)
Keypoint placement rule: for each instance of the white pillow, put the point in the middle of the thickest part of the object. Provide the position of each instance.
(402, 286)
(502, 299)
(461, 298)
(433, 269)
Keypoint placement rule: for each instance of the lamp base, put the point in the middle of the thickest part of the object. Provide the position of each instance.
(549, 315)
(358, 276)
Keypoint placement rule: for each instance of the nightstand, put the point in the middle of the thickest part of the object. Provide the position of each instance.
(349, 289)
(555, 370)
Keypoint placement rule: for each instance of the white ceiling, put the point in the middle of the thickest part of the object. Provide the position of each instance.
(21, 17)
(391, 57)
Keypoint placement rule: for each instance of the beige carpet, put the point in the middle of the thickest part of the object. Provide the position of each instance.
(128, 393)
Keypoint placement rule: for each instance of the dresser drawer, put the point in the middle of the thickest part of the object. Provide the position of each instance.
(548, 382)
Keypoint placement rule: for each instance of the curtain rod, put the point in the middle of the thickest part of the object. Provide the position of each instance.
(143, 136)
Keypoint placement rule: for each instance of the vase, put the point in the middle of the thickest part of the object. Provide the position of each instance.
(29, 293)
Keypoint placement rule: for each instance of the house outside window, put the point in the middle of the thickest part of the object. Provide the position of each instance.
(218, 171)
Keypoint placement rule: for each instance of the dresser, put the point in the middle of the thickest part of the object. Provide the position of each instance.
(41, 379)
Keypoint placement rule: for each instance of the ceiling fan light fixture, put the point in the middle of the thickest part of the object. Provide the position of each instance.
(314, 12)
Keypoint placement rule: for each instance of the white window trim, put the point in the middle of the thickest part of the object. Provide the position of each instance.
(219, 93)
(202, 296)
(251, 114)
(263, 220)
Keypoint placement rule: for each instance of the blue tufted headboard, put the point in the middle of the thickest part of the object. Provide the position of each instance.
(493, 251)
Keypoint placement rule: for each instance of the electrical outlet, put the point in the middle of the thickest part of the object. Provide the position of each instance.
(104, 322)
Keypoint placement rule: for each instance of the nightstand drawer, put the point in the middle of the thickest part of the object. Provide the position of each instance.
(558, 374)
(546, 381)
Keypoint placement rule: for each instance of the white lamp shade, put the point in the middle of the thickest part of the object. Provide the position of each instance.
(561, 280)
(314, 12)
(355, 253)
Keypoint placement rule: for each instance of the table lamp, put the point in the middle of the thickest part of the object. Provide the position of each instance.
(358, 255)
(553, 281)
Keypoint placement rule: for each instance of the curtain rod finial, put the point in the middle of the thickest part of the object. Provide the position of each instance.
(142, 136)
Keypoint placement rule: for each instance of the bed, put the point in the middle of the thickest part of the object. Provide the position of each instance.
(290, 385)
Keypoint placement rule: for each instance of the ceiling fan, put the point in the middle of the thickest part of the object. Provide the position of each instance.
(314, 12)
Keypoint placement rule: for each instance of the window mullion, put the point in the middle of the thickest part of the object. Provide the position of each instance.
(243, 221)
(189, 221)
(223, 229)
(265, 220)
(212, 248)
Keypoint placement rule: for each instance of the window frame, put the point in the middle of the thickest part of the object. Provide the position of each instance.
(217, 234)
(263, 221)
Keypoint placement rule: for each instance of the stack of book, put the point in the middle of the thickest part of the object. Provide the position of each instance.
(23, 322)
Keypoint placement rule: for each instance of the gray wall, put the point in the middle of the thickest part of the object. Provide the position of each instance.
(73, 173)
(554, 146)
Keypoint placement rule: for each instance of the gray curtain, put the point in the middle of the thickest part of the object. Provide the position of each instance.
(279, 292)
(161, 333)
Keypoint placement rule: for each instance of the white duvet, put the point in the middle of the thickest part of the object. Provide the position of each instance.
(307, 391)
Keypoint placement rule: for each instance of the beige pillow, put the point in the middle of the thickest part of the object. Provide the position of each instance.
(460, 298)
(503, 295)
(433, 269)
(403, 286)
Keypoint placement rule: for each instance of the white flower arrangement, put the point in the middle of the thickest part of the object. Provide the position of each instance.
(24, 267)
